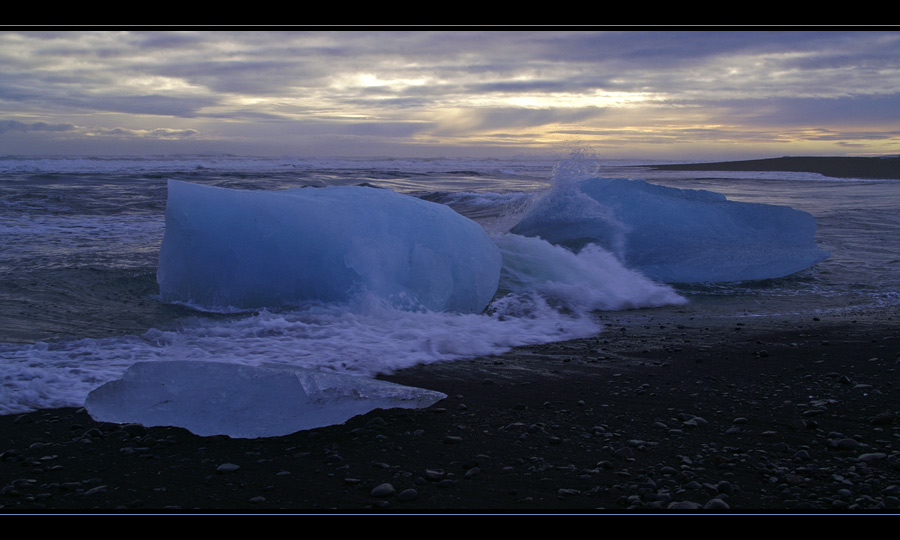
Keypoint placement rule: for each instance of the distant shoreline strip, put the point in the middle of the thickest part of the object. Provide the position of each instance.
(836, 167)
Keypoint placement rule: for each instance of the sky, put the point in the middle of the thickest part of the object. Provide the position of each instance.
(451, 92)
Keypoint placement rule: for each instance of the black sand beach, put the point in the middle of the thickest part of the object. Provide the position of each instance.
(666, 410)
(663, 411)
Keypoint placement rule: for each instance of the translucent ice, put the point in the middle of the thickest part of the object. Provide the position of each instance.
(214, 398)
(246, 249)
(676, 235)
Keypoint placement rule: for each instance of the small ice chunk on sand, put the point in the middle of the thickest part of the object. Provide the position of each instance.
(216, 398)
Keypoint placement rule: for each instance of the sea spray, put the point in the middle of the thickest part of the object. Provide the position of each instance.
(592, 279)
(553, 211)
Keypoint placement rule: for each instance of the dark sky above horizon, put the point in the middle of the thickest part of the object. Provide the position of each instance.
(691, 95)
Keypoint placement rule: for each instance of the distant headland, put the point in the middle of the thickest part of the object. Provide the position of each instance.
(887, 167)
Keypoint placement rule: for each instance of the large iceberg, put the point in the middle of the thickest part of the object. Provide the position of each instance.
(246, 249)
(215, 398)
(676, 235)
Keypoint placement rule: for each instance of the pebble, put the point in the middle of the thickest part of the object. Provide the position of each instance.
(716, 504)
(683, 505)
(134, 430)
(92, 433)
(725, 487)
(227, 468)
(847, 444)
(407, 495)
(382, 490)
(98, 489)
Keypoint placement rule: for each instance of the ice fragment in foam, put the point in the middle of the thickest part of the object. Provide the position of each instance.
(226, 248)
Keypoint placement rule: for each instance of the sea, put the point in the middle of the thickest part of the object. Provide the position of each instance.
(80, 240)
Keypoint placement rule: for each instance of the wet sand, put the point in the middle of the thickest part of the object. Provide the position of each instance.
(664, 411)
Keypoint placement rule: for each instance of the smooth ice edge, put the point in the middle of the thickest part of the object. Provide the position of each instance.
(247, 249)
(217, 398)
(676, 235)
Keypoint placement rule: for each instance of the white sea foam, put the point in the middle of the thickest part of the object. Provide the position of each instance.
(365, 339)
(592, 279)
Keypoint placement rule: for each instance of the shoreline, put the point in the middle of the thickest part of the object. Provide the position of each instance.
(887, 168)
(663, 411)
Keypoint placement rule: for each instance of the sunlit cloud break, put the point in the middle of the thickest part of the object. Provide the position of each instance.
(656, 94)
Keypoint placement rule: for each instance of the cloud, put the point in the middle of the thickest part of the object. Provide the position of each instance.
(848, 111)
(14, 125)
(456, 122)
(450, 87)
